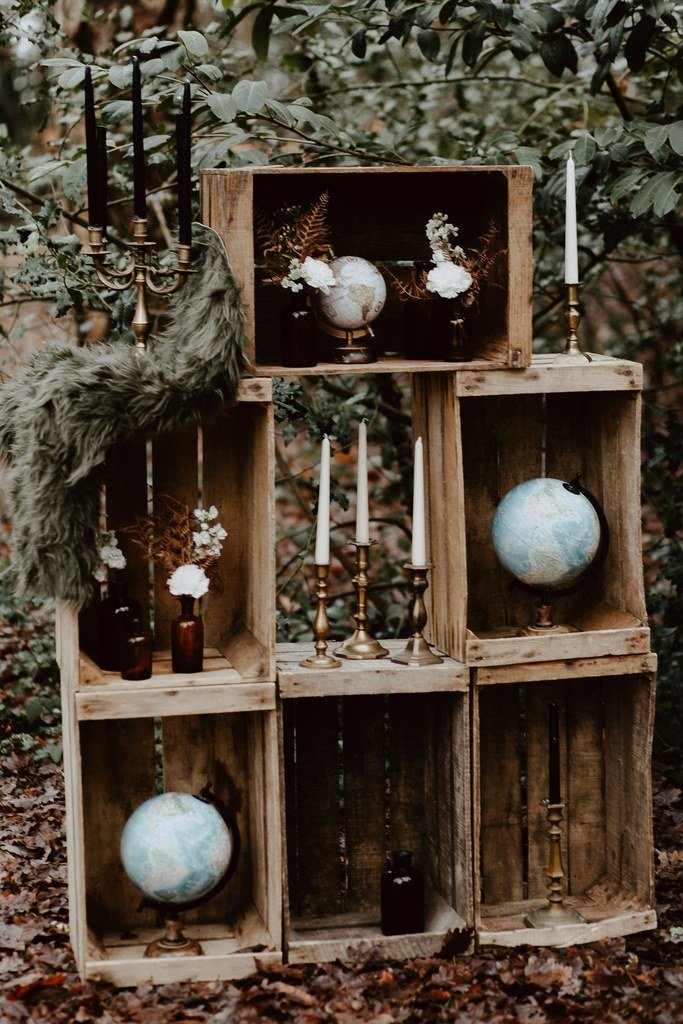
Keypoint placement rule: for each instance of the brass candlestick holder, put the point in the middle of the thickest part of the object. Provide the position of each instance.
(572, 350)
(361, 646)
(139, 272)
(417, 651)
(321, 624)
(555, 913)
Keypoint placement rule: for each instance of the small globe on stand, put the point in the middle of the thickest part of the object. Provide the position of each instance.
(350, 306)
(550, 536)
(177, 849)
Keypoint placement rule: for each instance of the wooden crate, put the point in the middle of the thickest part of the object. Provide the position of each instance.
(486, 433)
(364, 775)
(606, 713)
(112, 765)
(381, 214)
(227, 462)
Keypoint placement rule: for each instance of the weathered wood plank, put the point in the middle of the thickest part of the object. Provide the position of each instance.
(364, 798)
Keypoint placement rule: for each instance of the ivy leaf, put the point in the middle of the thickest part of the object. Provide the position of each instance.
(638, 42)
(260, 33)
(676, 137)
(223, 106)
(194, 43)
(473, 42)
(250, 96)
(74, 178)
(359, 44)
(429, 43)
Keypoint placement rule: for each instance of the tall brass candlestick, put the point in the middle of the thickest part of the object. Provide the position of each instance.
(555, 913)
(321, 624)
(138, 273)
(361, 646)
(417, 651)
(572, 350)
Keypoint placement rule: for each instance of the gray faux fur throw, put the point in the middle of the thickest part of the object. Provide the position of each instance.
(68, 405)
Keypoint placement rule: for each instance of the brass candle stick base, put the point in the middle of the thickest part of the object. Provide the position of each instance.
(544, 625)
(321, 624)
(572, 350)
(555, 913)
(417, 651)
(361, 646)
(139, 272)
(173, 942)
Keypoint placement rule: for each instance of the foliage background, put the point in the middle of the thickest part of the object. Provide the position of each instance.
(369, 81)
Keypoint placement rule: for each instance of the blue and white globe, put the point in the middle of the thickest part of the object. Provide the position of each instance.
(544, 534)
(175, 848)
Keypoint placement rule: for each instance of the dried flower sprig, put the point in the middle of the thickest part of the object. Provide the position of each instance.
(295, 245)
(179, 536)
(110, 554)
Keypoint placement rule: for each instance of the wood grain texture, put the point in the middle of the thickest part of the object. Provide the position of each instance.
(537, 699)
(516, 934)
(364, 798)
(544, 376)
(125, 476)
(585, 811)
(520, 266)
(572, 669)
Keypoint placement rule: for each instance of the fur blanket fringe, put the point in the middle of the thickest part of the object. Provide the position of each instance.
(68, 405)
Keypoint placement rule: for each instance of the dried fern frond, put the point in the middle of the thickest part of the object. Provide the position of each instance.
(292, 232)
(166, 537)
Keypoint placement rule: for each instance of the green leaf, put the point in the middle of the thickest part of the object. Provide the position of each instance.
(223, 106)
(260, 33)
(656, 138)
(33, 708)
(121, 76)
(429, 43)
(584, 148)
(473, 42)
(154, 141)
(74, 76)
(523, 42)
(116, 111)
(644, 197)
(250, 96)
(626, 182)
(74, 178)
(194, 43)
(359, 44)
(280, 112)
(526, 155)
(638, 42)
(53, 749)
(558, 53)
(447, 11)
(149, 44)
(210, 71)
(316, 121)
(676, 137)
(666, 192)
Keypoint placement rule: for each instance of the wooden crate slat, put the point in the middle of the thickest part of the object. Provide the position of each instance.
(585, 792)
(521, 267)
(407, 725)
(364, 798)
(125, 476)
(318, 822)
(500, 802)
(213, 748)
(118, 776)
(175, 475)
(537, 700)
(545, 376)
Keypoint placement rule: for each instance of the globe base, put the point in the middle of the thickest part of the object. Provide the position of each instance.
(353, 355)
(544, 625)
(173, 942)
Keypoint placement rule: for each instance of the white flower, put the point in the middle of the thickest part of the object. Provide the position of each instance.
(448, 280)
(318, 274)
(188, 581)
(213, 512)
(110, 555)
(100, 574)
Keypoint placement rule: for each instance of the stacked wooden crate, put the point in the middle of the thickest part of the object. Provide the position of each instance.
(328, 771)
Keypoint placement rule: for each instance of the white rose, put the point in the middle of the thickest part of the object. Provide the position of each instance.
(188, 581)
(448, 280)
(318, 274)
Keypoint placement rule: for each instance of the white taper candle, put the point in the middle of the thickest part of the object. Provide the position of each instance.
(322, 533)
(362, 510)
(571, 255)
(419, 549)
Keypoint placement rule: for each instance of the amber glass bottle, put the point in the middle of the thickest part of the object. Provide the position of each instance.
(115, 615)
(299, 346)
(136, 653)
(402, 896)
(187, 638)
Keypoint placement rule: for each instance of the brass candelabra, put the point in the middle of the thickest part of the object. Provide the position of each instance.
(555, 913)
(361, 645)
(139, 272)
(321, 624)
(417, 651)
(573, 352)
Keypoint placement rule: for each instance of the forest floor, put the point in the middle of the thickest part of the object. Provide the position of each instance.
(638, 979)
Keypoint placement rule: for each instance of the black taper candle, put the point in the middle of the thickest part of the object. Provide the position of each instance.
(554, 754)
(102, 169)
(184, 155)
(94, 208)
(139, 191)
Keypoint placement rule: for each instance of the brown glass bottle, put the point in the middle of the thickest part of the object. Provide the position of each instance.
(402, 896)
(136, 653)
(115, 615)
(187, 638)
(299, 347)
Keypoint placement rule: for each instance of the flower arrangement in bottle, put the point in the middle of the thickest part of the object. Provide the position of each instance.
(453, 275)
(187, 544)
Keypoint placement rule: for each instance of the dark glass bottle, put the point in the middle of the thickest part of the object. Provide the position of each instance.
(402, 896)
(299, 346)
(115, 615)
(187, 638)
(136, 653)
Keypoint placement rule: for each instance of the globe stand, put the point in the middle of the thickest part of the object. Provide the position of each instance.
(544, 624)
(173, 942)
(352, 352)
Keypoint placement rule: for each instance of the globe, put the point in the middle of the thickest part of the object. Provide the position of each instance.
(545, 534)
(357, 298)
(175, 848)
